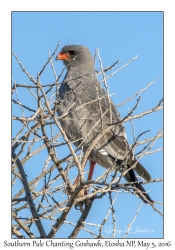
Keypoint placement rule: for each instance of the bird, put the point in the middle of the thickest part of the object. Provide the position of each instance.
(89, 110)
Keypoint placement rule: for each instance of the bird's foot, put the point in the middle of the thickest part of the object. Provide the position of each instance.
(83, 192)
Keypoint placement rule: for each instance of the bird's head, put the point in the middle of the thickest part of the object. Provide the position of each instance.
(76, 56)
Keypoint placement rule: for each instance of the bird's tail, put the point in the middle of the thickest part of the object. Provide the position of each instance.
(140, 170)
(141, 192)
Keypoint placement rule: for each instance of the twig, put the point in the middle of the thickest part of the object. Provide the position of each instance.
(106, 86)
(29, 198)
(80, 223)
(129, 226)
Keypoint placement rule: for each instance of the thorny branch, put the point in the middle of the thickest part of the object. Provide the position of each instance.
(46, 163)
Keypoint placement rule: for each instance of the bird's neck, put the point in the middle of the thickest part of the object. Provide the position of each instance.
(79, 70)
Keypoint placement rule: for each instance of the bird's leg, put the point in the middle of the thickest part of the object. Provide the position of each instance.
(84, 192)
(91, 170)
(76, 182)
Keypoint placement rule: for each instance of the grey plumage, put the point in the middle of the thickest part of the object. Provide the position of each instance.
(82, 94)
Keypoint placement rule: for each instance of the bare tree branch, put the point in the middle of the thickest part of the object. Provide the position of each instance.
(42, 150)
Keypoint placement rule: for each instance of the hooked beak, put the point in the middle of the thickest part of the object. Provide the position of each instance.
(62, 56)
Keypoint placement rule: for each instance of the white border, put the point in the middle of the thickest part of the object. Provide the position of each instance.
(169, 92)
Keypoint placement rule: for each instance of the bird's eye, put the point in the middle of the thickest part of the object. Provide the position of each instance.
(72, 52)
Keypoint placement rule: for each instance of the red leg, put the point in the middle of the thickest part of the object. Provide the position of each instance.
(75, 182)
(91, 170)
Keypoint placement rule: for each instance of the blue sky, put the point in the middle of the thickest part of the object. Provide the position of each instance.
(119, 36)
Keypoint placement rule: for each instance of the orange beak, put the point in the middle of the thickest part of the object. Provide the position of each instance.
(62, 56)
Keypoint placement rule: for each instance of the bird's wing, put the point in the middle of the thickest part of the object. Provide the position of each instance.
(91, 114)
